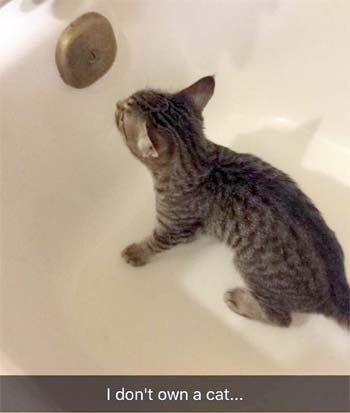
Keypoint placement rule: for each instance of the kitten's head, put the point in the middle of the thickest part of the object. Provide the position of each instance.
(159, 127)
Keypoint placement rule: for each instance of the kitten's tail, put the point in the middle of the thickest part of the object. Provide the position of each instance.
(339, 307)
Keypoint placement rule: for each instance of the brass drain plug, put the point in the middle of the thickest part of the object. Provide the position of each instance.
(86, 50)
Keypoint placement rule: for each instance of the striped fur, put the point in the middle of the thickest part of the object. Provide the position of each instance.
(289, 258)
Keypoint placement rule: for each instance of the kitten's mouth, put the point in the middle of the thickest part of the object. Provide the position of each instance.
(119, 116)
(122, 108)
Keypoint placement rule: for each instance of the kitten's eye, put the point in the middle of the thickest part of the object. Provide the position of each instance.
(130, 102)
(160, 104)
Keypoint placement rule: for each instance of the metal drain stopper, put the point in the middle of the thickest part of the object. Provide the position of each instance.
(86, 50)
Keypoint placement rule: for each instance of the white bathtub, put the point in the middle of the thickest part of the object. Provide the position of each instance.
(73, 196)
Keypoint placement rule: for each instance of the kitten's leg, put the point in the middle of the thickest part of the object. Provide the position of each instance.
(162, 239)
(243, 302)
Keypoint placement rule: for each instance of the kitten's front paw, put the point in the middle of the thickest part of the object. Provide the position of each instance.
(136, 255)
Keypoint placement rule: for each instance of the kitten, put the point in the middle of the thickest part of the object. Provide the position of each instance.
(289, 258)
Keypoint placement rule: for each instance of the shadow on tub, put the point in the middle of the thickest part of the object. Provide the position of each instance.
(240, 22)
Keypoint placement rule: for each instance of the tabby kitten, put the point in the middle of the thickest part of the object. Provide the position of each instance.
(289, 258)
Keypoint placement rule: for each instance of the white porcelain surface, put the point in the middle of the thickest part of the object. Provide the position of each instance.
(73, 197)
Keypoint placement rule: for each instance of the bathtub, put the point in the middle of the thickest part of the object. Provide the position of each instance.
(73, 197)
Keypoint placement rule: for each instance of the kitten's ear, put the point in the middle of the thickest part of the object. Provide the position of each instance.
(145, 145)
(200, 92)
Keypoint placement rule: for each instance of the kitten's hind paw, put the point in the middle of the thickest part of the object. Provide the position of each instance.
(136, 255)
(242, 302)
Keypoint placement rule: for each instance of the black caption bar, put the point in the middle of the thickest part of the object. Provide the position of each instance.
(174, 393)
